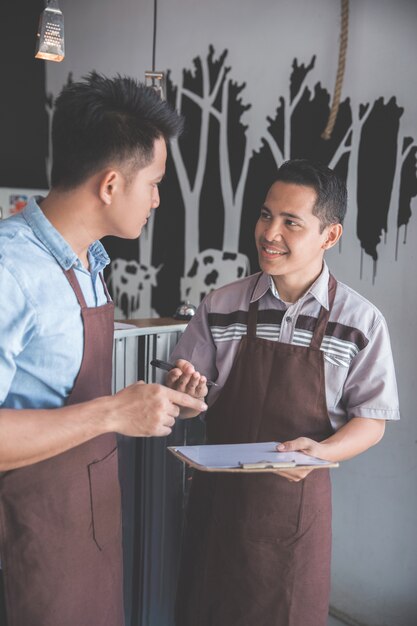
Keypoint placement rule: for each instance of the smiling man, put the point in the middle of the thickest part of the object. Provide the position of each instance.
(60, 518)
(291, 239)
(301, 359)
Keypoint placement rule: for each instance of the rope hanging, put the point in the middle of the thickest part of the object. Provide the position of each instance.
(344, 29)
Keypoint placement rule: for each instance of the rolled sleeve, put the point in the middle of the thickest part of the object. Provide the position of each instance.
(196, 344)
(370, 389)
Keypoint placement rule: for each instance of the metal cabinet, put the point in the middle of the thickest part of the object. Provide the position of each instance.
(154, 483)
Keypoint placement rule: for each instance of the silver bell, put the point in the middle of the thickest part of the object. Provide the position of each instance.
(185, 311)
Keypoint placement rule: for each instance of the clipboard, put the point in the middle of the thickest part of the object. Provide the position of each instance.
(245, 458)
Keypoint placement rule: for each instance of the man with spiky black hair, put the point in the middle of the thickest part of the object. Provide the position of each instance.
(60, 521)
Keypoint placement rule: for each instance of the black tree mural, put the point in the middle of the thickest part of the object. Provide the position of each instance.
(202, 236)
(208, 165)
(366, 148)
(376, 170)
(211, 162)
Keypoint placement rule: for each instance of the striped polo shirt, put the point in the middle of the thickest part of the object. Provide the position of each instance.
(359, 370)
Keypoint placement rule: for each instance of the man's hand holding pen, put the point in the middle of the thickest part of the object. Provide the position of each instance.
(183, 377)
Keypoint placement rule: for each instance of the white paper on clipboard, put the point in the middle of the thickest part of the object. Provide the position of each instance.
(231, 457)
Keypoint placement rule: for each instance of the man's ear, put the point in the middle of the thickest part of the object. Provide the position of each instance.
(108, 185)
(333, 234)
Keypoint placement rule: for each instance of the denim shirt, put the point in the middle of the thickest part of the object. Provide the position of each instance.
(41, 331)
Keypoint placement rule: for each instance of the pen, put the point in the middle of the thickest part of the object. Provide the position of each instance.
(164, 365)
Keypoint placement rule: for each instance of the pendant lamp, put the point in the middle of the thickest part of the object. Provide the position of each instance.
(50, 35)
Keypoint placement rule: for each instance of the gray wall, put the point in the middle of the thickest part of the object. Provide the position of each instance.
(374, 559)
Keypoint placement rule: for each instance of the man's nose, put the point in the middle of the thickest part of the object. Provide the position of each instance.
(273, 231)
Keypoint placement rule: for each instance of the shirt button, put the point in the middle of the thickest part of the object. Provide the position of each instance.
(288, 319)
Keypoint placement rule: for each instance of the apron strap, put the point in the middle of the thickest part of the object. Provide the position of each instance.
(253, 312)
(324, 315)
(72, 279)
(70, 274)
(106, 291)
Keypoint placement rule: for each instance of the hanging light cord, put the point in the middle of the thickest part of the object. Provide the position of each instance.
(344, 29)
(155, 11)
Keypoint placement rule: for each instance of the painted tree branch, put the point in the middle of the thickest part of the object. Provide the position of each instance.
(232, 202)
(395, 191)
(191, 192)
(275, 149)
(343, 148)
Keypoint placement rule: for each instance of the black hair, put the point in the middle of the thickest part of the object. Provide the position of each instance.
(331, 203)
(102, 121)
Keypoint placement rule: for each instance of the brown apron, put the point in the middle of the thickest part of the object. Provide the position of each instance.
(257, 547)
(60, 519)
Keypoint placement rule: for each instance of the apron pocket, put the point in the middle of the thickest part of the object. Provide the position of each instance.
(105, 499)
(263, 508)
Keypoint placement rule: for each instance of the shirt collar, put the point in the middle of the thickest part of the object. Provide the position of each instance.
(261, 287)
(319, 289)
(97, 257)
(56, 244)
